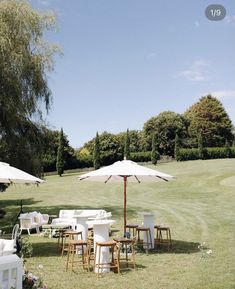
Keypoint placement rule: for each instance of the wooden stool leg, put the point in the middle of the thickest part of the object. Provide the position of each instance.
(147, 251)
(167, 238)
(72, 249)
(64, 246)
(99, 257)
(95, 257)
(133, 254)
(150, 237)
(125, 246)
(170, 238)
(67, 263)
(118, 259)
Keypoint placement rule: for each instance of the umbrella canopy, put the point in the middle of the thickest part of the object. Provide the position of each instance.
(125, 170)
(9, 174)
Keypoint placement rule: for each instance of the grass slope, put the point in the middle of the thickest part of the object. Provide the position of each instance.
(198, 206)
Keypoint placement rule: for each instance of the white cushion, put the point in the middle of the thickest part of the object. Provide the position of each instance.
(25, 215)
(33, 214)
(1, 245)
(8, 245)
(66, 214)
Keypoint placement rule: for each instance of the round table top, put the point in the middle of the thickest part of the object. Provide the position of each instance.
(100, 222)
(147, 214)
(123, 240)
(85, 216)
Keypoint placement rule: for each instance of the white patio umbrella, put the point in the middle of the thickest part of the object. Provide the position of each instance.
(123, 171)
(9, 174)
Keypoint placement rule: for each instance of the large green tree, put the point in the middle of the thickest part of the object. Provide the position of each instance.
(49, 149)
(25, 60)
(165, 125)
(23, 148)
(209, 118)
(111, 148)
(137, 141)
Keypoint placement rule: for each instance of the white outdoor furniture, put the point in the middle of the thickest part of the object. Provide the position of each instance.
(7, 247)
(8, 244)
(149, 222)
(11, 272)
(65, 218)
(101, 234)
(70, 217)
(81, 225)
(32, 220)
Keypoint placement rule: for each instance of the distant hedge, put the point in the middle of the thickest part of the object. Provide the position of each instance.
(141, 157)
(208, 153)
(84, 162)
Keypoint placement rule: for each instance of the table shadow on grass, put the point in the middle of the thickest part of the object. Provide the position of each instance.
(178, 247)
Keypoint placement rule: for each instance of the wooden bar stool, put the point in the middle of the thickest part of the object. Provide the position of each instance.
(67, 236)
(155, 233)
(83, 257)
(164, 236)
(61, 238)
(114, 249)
(127, 244)
(132, 227)
(148, 242)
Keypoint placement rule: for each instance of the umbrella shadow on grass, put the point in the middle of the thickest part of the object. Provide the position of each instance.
(13, 209)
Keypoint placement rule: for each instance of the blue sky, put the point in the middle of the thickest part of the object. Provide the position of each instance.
(128, 60)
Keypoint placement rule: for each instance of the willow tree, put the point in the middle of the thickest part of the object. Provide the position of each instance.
(25, 60)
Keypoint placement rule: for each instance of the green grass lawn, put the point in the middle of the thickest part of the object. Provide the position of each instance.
(199, 206)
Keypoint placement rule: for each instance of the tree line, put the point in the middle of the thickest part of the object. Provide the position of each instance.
(204, 125)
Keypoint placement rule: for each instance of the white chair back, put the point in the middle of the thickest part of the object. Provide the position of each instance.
(15, 231)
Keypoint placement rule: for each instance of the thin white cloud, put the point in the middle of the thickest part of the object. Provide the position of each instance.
(45, 3)
(151, 55)
(230, 19)
(224, 94)
(196, 71)
(196, 24)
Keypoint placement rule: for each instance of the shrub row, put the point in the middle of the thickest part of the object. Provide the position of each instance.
(207, 153)
(141, 157)
(184, 154)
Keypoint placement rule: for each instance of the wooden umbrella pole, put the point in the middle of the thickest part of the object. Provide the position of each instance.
(125, 181)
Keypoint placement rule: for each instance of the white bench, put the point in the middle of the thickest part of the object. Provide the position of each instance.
(11, 272)
(32, 220)
(66, 217)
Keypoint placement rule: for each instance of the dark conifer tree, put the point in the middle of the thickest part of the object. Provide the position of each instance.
(60, 162)
(96, 153)
(154, 155)
(127, 145)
